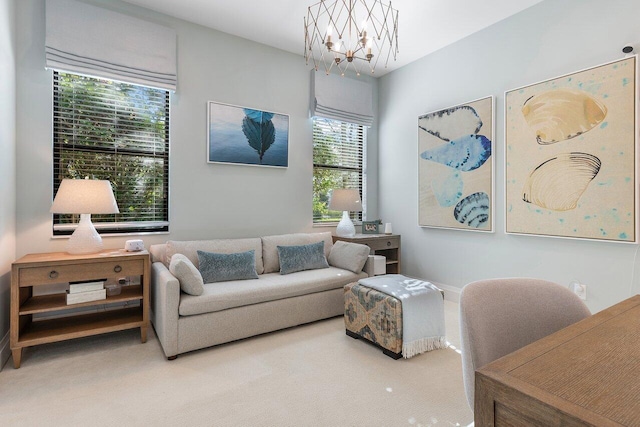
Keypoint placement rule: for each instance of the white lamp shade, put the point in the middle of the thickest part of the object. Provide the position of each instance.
(84, 196)
(344, 199)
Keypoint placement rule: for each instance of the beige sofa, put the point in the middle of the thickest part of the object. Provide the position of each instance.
(236, 309)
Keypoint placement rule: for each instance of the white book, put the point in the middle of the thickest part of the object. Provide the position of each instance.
(86, 286)
(87, 296)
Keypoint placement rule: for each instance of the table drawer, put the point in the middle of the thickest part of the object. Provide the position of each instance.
(77, 272)
(383, 243)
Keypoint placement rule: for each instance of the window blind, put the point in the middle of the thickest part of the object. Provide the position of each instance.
(90, 40)
(118, 132)
(340, 98)
(338, 162)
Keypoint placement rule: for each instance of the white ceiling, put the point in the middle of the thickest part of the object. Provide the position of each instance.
(424, 25)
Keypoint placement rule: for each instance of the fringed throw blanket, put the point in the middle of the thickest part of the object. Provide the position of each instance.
(422, 311)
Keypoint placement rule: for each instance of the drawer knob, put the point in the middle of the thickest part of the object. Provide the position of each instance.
(388, 243)
(117, 269)
(53, 274)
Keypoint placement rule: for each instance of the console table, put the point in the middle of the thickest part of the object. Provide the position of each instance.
(387, 245)
(38, 319)
(585, 374)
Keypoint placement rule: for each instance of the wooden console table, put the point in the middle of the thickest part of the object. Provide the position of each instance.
(584, 375)
(39, 270)
(387, 245)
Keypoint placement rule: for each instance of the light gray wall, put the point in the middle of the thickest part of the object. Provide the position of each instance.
(206, 200)
(7, 165)
(552, 38)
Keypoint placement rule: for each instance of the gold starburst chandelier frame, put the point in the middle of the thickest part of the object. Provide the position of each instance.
(354, 34)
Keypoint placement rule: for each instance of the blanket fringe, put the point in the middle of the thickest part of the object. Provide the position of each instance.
(410, 349)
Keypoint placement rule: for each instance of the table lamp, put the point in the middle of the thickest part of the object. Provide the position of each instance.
(345, 200)
(84, 197)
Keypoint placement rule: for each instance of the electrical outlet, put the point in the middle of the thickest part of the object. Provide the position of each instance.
(579, 289)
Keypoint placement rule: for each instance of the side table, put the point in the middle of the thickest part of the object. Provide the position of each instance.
(29, 327)
(387, 245)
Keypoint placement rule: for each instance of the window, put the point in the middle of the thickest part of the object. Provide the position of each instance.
(338, 162)
(114, 131)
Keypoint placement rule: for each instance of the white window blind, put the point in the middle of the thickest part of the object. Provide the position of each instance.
(118, 132)
(338, 162)
(90, 40)
(340, 98)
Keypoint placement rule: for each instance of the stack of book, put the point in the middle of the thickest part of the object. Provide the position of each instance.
(86, 291)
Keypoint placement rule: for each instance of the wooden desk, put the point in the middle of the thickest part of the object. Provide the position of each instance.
(586, 374)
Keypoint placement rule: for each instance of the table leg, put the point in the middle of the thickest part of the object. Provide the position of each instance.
(143, 334)
(17, 357)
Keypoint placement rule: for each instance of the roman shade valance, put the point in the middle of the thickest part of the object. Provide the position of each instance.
(340, 98)
(86, 39)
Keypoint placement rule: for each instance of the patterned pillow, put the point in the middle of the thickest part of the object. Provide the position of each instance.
(216, 267)
(187, 274)
(303, 257)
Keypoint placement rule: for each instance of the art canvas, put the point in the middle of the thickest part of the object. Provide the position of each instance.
(455, 167)
(570, 162)
(247, 136)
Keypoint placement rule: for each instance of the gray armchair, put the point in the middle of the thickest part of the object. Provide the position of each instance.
(499, 316)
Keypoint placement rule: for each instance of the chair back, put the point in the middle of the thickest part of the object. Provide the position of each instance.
(499, 316)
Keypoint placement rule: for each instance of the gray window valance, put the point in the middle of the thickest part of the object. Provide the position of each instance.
(86, 39)
(340, 98)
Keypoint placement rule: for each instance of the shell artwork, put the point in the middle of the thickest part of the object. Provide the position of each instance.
(473, 210)
(448, 188)
(559, 182)
(562, 114)
(466, 154)
(451, 123)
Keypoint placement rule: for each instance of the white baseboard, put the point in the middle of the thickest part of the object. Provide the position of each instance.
(451, 293)
(5, 351)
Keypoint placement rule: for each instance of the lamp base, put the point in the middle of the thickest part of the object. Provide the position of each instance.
(345, 227)
(85, 240)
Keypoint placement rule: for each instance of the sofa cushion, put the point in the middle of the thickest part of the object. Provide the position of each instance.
(268, 287)
(350, 256)
(190, 248)
(270, 246)
(222, 267)
(190, 279)
(302, 257)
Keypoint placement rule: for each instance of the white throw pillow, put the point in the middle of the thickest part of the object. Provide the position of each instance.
(190, 278)
(349, 256)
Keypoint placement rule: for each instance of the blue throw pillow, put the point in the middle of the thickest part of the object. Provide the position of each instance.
(216, 267)
(303, 257)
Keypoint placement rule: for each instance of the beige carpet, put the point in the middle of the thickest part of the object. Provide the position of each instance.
(312, 375)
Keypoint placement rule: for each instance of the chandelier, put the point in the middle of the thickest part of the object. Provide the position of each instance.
(354, 34)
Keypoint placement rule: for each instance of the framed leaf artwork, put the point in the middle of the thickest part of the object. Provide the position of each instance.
(247, 136)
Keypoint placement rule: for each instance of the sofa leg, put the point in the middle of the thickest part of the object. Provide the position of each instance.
(172, 357)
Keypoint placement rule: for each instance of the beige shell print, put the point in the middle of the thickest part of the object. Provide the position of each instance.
(561, 114)
(558, 182)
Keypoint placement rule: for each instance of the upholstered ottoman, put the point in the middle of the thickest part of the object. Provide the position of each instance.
(374, 316)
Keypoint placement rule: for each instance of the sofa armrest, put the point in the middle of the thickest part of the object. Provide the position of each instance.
(165, 300)
(368, 266)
